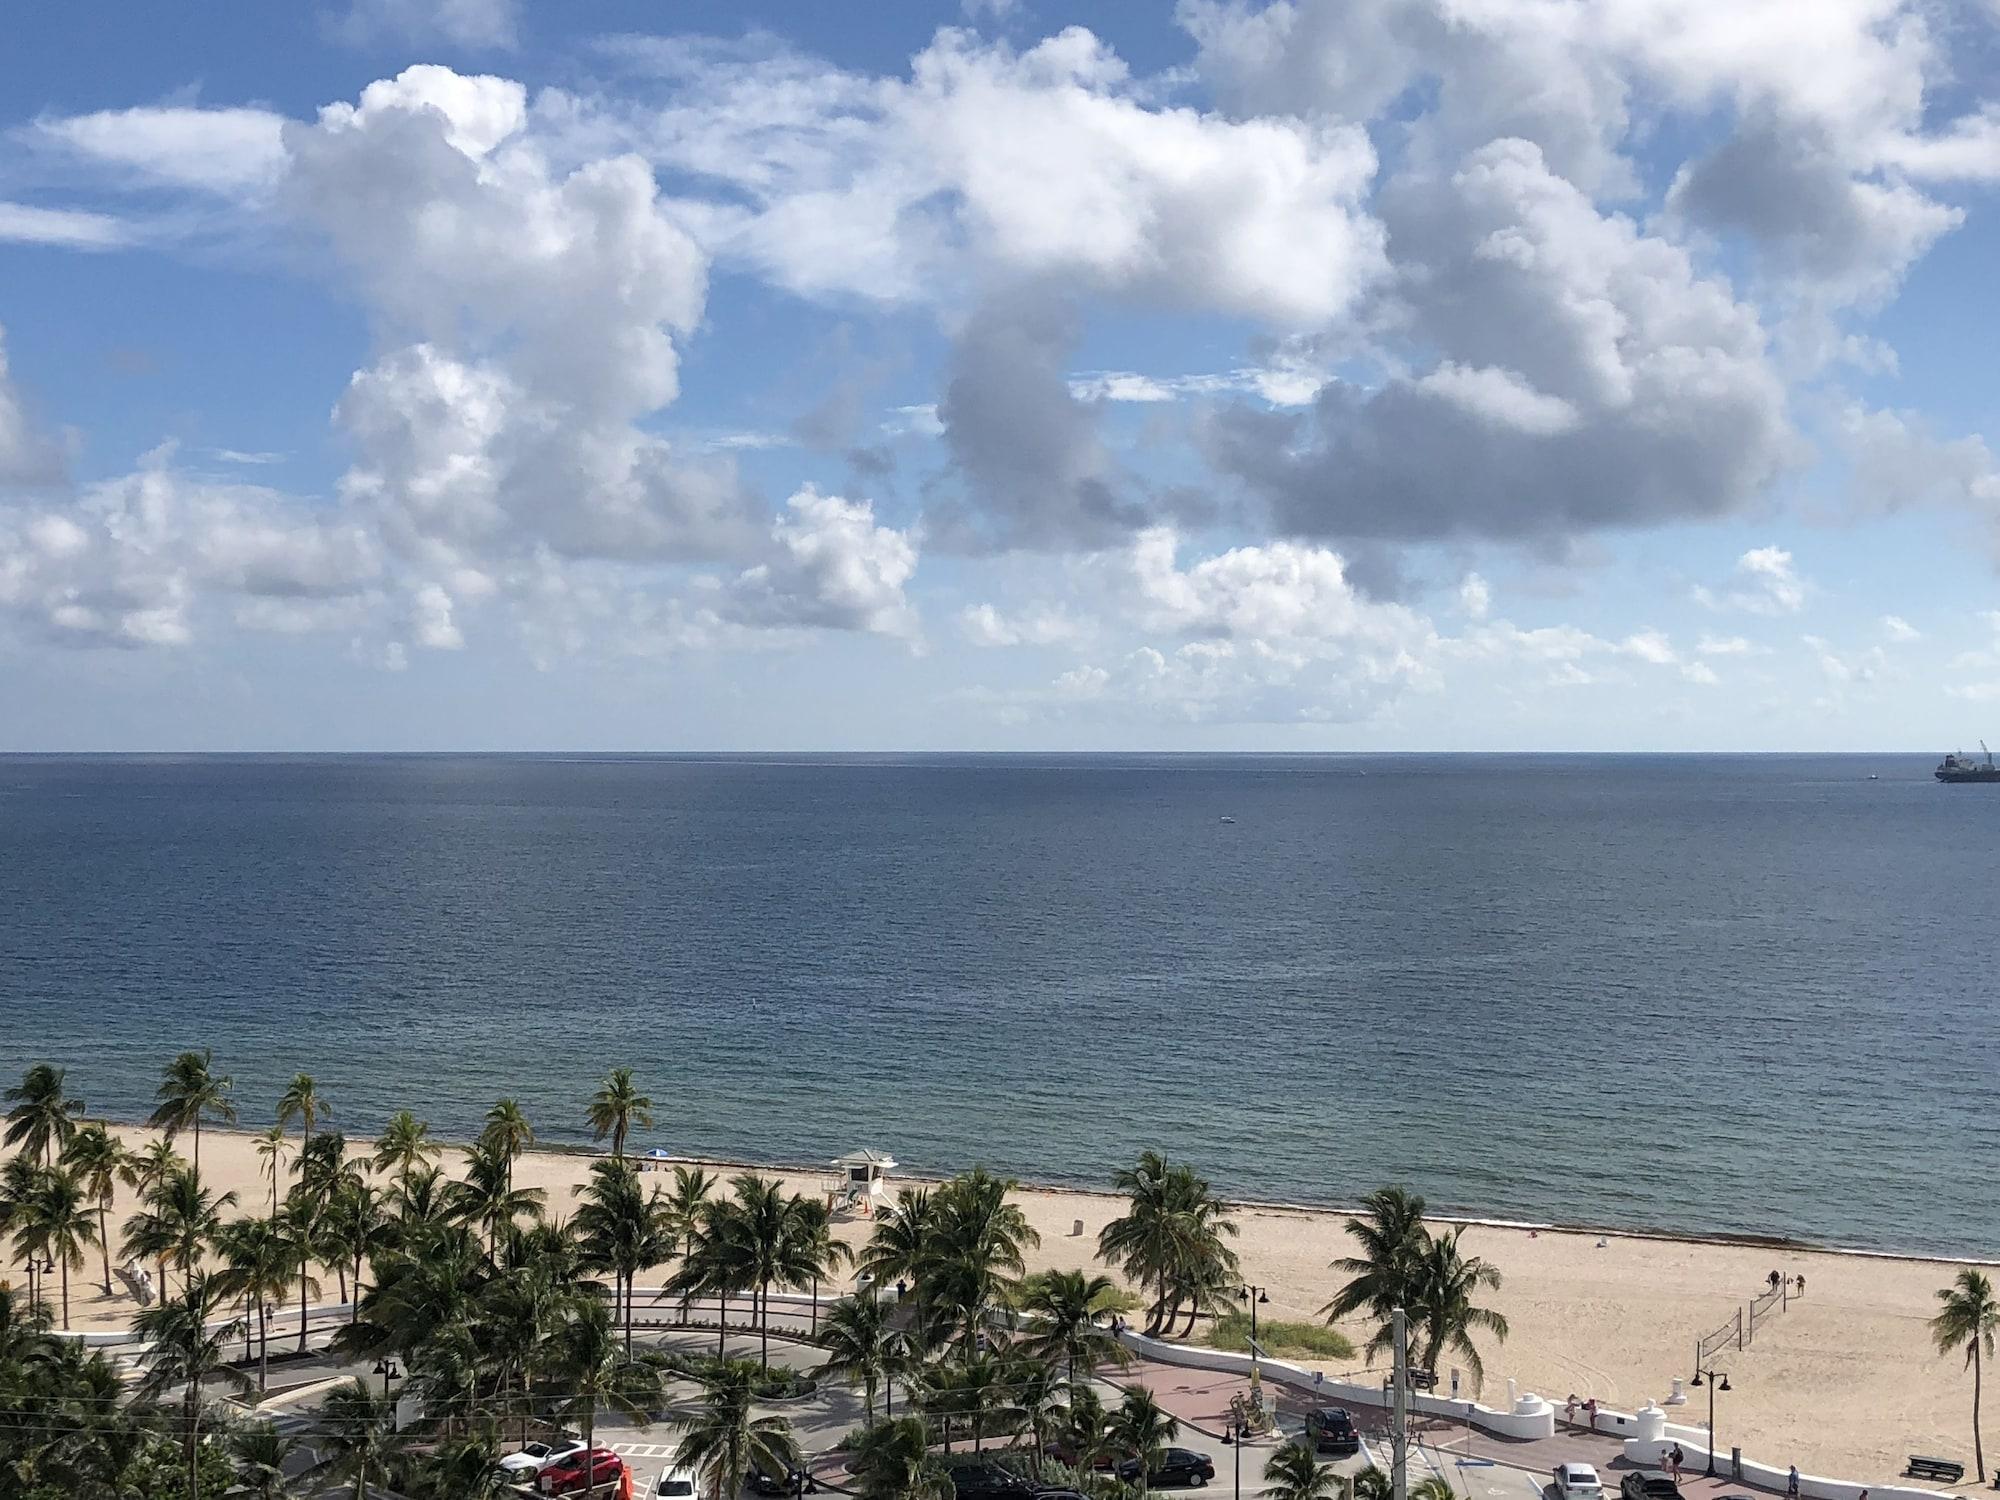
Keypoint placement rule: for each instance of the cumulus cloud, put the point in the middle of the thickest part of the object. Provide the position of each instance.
(1764, 583)
(1899, 630)
(833, 566)
(888, 187)
(1587, 376)
(131, 561)
(1039, 625)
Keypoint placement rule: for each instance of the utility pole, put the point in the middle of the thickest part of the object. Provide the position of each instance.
(1399, 1414)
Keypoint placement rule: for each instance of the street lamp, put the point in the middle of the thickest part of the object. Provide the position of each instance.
(1254, 1295)
(1716, 1380)
(1233, 1435)
(386, 1368)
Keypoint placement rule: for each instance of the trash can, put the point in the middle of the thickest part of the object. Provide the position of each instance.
(1736, 1464)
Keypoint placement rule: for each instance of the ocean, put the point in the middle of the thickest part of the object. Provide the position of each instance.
(1713, 994)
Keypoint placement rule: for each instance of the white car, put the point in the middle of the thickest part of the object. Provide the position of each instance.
(1578, 1482)
(675, 1484)
(535, 1457)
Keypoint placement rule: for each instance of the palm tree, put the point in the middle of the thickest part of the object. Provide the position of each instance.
(717, 1261)
(260, 1453)
(814, 1227)
(487, 1195)
(188, 1348)
(862, 1345)
(1172, 1236)
(1967, 1318)
(1034, 1388)
(1433, 1487)
(258, 1259)
(972, 1387)
(681, 1212)
(40, 1114)
(508, 1133)
(617, 1229)
(973, 1255)
(405, 1144)
(1372, 1484)
(591, 1366)
(100, 1161)
(1064, 1307)
(724, 1441)
(1294, 1472)
(1086, 1428)
(1441, 1308)
(154, 1163)
(902, 1234)
(58, 1223)
(1143, 1428)
(1393, 1239)
(355, 1423)
(271, 1146)
(189, 1091)
(356, 1228)
(617, 1107)
(304, 1102)
(781, 1244)
(893, 1461)
(177, 1220)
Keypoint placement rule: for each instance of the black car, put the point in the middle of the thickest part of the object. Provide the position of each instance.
(1175, 1466)
(795, 1482)
(978, 1481)
(1331, 1430)
(1649, 1484)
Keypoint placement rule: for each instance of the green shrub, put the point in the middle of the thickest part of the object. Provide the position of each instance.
(1280, 1338)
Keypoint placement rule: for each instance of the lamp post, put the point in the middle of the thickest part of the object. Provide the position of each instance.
(1255, 1296)
(1715, 1380)
(386, 1368)
(1233, 1434)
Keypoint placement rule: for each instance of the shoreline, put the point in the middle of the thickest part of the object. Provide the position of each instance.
(1788, 1244)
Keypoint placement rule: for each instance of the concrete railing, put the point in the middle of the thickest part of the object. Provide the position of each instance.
(1654, 1436)
(1531, 1417)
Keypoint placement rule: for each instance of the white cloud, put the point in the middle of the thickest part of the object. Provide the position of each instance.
(227, 151)
(1764, 583)
(1723, 645)
(1041, 625)
(833, 568)
(22, 223)
(885, 187)
(1899, 630)
(1475, 598)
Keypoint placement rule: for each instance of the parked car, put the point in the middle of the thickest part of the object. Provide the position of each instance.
(576, 1471)
(1177, 1466)
(1578, 1482)
(1649, 1484)
(1057, 1494)
(978, 1481)
(1064, 1452)
(1331, 1430)
(676, 1484)
(787, 1483)
(532, 1458)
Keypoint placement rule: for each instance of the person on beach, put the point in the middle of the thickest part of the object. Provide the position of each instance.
(1802, 1292)
(1792, 1484)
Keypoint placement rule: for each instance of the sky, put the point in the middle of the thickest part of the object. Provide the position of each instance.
(1308, 375)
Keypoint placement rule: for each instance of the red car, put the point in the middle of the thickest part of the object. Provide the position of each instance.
(572, 1472)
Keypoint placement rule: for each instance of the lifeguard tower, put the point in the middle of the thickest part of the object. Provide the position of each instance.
(862, 1183)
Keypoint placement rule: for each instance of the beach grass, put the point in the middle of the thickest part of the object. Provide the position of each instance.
(1280, 1337)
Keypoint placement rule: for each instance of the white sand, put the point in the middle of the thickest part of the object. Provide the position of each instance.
(1843, 1383)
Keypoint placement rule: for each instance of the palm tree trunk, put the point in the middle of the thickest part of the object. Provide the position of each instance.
(197, 1142)
(721, 1322)
(263, 1344)
(65, 1276)
(104, 1244)
(354, 1307)
(303, 1266)
(764, 1328)
(1978, 1451)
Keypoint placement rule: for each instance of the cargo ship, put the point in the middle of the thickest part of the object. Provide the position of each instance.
(1961, 767)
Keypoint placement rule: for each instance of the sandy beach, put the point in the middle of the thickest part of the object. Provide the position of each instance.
(1844, 1382)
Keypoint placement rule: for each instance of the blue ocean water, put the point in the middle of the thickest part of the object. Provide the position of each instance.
(1732, 994)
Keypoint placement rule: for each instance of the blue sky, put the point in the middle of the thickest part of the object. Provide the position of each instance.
(1319, 374)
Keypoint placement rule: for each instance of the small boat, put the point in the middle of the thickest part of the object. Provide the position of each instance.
(1229, 820)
